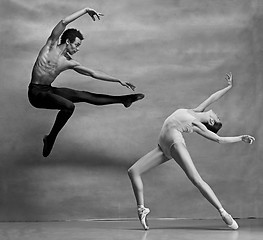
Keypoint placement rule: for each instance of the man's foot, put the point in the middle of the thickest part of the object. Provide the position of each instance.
(230, 222)
(48, 145)
(129, 99)
(142, 213)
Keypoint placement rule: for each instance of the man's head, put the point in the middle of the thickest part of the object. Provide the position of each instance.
(72, 38)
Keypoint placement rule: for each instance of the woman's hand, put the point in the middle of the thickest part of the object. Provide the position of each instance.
(248, 139)
(229, 79)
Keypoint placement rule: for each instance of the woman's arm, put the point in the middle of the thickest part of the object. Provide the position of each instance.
(203, 131)
(215, 96)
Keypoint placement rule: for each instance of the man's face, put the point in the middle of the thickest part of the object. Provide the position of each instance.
(73, 47)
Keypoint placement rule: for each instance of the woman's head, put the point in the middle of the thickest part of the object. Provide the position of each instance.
(213, 122)
(213, 128)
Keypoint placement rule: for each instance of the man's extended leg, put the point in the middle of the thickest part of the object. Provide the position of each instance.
(63, 98)
(97, 99)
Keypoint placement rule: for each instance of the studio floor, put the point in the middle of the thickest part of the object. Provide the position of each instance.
(160, 229)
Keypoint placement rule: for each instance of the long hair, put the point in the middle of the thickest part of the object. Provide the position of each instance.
(213, 128)
(71, 35)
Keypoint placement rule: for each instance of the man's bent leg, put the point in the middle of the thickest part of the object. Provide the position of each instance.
(41, 96)
(60, 121)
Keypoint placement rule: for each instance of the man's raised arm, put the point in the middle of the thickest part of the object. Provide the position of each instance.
(60, 27)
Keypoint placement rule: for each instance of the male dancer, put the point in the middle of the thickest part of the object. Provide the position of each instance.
(56, 57)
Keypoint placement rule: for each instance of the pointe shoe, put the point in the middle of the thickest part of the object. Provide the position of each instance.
(142, 213)
(230, 222)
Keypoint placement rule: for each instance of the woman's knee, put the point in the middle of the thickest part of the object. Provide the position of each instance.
(132, 172)
(197, 181)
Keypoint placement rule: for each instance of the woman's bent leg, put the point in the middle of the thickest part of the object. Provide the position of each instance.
(150, 160)
(147, 162)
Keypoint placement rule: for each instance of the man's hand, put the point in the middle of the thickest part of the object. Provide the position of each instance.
(93, 13)
(128, 85)
(248, 139)
(229, 79)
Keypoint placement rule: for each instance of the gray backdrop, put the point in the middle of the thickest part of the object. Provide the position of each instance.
(177, 53)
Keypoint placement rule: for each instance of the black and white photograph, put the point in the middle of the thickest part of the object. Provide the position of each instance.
(131, 120)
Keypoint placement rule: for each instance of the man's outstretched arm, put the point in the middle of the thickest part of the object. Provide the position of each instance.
(61, 26)
(100, 76)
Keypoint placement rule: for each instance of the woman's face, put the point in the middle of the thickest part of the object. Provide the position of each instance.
(213, 117)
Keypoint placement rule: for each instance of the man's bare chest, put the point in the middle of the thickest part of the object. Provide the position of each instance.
(56, 62)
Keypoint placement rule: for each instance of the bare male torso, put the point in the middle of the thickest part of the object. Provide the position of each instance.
(51, 61)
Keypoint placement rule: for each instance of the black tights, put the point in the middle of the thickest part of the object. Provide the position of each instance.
(63, 99)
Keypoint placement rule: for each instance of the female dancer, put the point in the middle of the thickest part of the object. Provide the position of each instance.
(172, 145)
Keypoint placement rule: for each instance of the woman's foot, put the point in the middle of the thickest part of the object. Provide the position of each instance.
(230, 222)
(142, 213)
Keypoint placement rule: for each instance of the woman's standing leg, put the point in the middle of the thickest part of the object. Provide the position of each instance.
(181, 155)
(149, 161)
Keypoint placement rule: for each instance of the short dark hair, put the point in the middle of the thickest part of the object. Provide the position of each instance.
(71, 35)
(213, 128)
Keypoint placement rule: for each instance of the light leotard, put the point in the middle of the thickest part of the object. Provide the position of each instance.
(181, 121)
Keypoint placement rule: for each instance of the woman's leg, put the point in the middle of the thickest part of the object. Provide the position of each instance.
(144, 164)
(184, 160)
(149, 161)
(96, 99)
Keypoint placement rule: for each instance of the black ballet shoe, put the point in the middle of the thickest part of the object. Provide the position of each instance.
(48, 145)
(132, 98)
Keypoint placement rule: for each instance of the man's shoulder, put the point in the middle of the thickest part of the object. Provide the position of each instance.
(49, 46)
(68, 61)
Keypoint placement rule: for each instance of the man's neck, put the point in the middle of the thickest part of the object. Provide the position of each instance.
(63, 50)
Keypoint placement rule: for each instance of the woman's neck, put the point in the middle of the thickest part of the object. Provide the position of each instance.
(201, 116)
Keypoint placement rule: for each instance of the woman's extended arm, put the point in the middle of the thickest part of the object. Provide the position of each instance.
(215, 96)
(203, 131)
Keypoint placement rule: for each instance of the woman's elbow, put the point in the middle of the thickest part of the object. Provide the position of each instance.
(219, 140)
